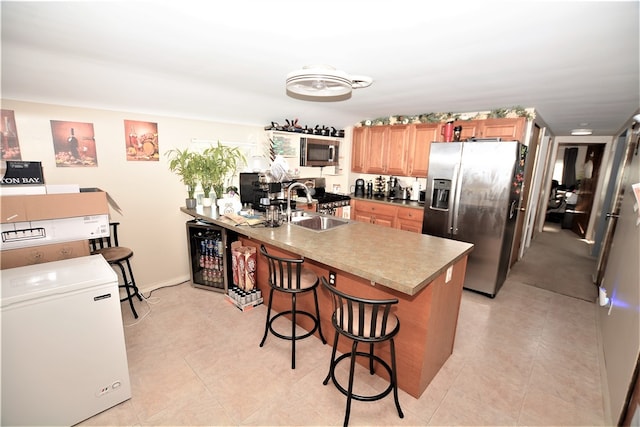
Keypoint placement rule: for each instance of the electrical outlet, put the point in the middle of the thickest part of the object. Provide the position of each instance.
(447, 277)
(332, 278)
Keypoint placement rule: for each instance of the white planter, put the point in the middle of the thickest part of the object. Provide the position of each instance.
(206, 202)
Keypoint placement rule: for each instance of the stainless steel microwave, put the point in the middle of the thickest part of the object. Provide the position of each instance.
(319, 152)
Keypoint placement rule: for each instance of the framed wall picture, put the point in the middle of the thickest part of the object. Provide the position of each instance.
(74, 144)
(141, 140)
(10, 146)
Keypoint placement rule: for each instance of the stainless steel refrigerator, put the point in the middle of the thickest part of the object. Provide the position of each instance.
(473, 195)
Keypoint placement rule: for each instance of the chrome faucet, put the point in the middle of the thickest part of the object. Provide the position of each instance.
(291, 187)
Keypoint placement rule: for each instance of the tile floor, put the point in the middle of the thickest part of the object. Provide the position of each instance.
(527, 357)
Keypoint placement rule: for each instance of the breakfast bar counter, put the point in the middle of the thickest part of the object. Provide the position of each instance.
(425, 273)
(404, 261)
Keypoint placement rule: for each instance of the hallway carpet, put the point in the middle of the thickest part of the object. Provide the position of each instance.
(559, 261)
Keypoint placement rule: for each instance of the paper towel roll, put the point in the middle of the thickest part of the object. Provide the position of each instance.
(415, 191)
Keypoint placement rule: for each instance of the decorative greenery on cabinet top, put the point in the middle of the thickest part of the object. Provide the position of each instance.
(498, 113)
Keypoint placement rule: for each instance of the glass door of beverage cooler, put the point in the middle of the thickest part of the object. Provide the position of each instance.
(209, 255)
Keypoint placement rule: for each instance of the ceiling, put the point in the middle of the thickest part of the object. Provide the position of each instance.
(573, 61)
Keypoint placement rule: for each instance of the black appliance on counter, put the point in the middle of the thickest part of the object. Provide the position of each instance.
(256, 190)
(359, 188)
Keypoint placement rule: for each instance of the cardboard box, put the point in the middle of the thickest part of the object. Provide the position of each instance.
(246, 306)
(46, 253)
(52, 206)
(43, 207)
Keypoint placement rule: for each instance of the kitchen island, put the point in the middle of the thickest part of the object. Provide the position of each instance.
(425, 273)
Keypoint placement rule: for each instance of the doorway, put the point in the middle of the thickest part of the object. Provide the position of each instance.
(572, 190)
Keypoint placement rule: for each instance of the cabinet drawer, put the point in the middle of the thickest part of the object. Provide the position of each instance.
(376, 208)
(410, 214)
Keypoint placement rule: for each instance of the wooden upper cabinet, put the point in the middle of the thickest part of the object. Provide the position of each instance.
(358, 149)
(398, 150)
(403, 150)
(470, 129)
(376, 150)
(421, 137)
(507, 129)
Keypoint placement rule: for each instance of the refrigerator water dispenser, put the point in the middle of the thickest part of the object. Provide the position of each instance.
(441, 191)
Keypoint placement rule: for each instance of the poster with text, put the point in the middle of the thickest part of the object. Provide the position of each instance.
(141, 140)
(10, 144)
(74, 144)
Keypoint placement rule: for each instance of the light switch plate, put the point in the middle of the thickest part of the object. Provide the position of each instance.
(447, 278)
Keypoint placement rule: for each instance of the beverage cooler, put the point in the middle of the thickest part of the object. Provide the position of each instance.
(210, 255)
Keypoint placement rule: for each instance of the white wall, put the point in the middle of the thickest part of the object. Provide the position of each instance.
(149, 195)
(620, 326)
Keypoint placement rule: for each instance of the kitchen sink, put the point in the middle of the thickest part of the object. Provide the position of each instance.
(318, 222)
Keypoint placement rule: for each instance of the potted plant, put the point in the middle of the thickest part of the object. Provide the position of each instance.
(218, 163)
(184, 164)
(206, 171)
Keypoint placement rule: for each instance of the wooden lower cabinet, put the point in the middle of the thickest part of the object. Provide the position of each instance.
(409, 219)
(428, 320)
(387, 215)
(375, 213)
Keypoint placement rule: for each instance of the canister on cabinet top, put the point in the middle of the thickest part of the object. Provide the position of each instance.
(447, 131)
(457, 131)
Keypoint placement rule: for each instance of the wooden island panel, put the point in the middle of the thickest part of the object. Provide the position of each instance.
(428, 319)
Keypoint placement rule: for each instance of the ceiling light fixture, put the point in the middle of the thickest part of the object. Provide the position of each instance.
(323, 82)
(581, 132)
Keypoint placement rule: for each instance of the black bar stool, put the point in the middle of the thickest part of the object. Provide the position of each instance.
(117, 255)
(291, 277)
(364, 321)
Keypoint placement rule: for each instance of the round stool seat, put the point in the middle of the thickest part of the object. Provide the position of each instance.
(114, 253)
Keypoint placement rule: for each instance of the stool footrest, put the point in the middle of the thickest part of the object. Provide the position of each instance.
(371, 398)
(297, 337)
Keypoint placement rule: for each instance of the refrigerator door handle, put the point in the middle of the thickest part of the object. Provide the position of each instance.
(513, 209)
(455, 185)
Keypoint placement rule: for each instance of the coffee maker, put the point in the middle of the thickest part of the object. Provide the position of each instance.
(394, 190)
(258, 190)
(359, 188)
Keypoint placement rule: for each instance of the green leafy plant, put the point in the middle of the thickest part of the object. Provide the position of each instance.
(184, 164)
(217, 164)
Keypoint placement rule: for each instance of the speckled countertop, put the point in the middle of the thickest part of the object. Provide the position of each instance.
(400, 260)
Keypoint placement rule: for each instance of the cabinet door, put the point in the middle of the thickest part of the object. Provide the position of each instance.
(470, 128)
(421, 138)
(384, 220)
(507, 129)
(409, 219)
(413, 226)
(398, 150)
(362, 216)
(358, 149)
(375, 213)
(376, 151)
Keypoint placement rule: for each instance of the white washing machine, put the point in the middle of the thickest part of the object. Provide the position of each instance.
(63, 350)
